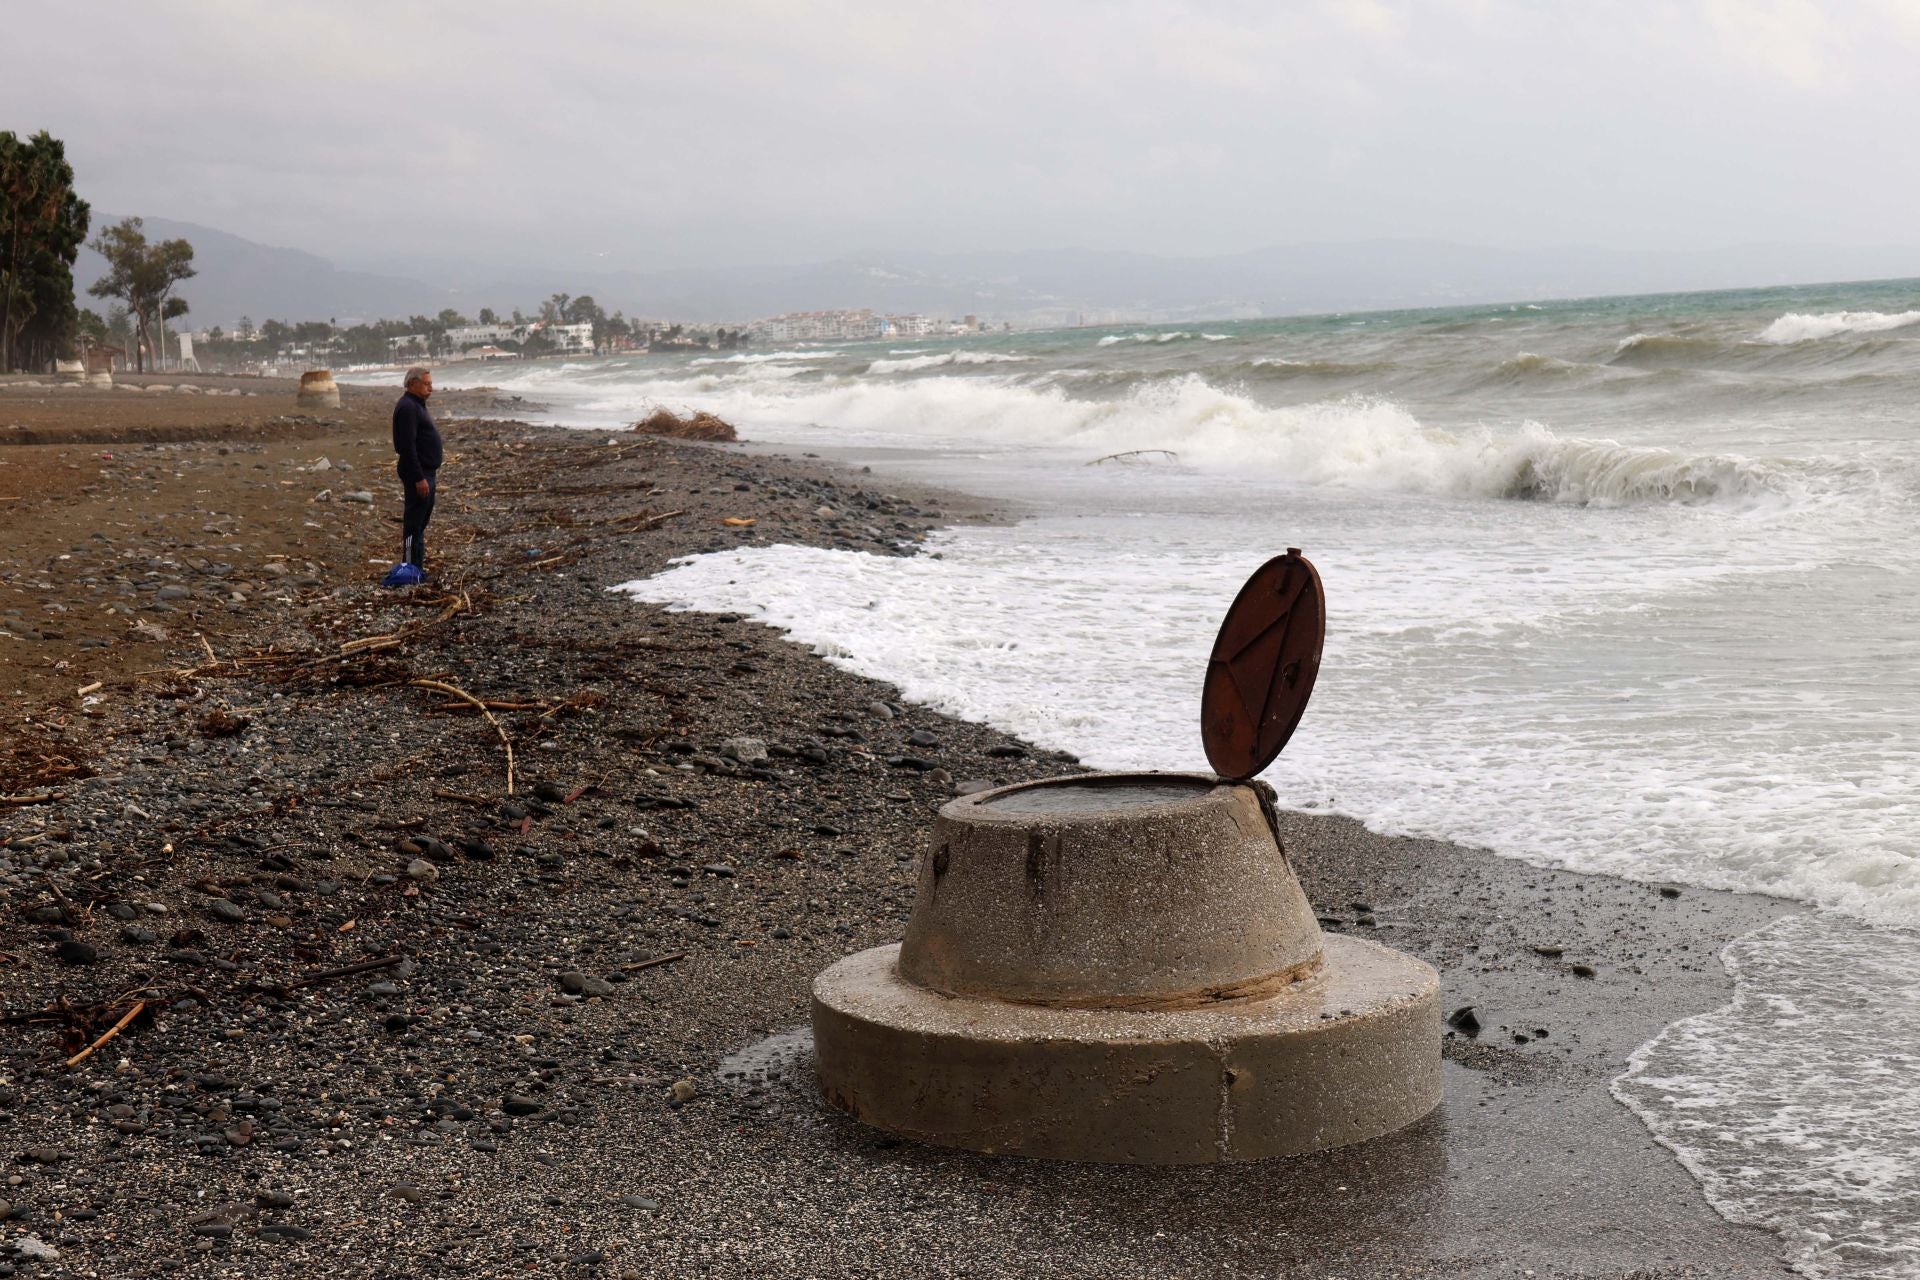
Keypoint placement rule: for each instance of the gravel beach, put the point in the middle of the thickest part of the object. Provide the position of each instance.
(370, 1012)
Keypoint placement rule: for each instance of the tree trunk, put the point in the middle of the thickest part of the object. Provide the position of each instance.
(6, 312)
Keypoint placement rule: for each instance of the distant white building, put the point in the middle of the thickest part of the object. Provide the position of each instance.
(480, 335)
(820, 326)
(570, 338)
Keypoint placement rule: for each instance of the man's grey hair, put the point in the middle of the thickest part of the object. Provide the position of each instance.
(416, 373)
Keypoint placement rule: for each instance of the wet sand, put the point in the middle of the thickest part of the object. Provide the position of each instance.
(478, 1106)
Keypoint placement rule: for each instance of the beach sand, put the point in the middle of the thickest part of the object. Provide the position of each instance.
(500, 1098)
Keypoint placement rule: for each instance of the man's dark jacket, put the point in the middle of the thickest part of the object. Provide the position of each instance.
(415, 438)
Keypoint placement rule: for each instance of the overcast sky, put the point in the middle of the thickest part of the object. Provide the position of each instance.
(651, 135)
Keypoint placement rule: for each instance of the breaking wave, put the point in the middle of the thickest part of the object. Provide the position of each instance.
(1530, 368)
(912, 363)
(1801, 327)
(1276, 366)
(1657, 350)
(1352, 442)
(762, 357)
(1114, 339)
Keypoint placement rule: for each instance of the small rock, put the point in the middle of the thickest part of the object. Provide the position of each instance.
(408, 1192)
(1668, 891)
(74, 951)
(34, 1249)
(1581, 970)
(745, 750)
(1548, 949)
(719, 869)
(423, 871)
(284, 1231)
(477, 849)
(972, 787)
(359, 495)
(647, 1203)
(585, 984)
(684, 1091)
(518, 1104)
(1464, 1021)
(879, 711)
(228, 910)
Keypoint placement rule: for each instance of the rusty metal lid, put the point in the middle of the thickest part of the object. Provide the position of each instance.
(1263, 666)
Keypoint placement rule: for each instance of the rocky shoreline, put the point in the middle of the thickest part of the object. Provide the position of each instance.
(376, 1014)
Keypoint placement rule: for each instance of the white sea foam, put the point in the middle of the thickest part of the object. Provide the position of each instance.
(1537, 730)
(1798, 1105)
(1114, 339)
(1353, 442)
(761, 357)
(1801, 327)
(945, 358)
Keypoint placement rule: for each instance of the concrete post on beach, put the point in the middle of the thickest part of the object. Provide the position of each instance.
(318, 390)
(1123, 967)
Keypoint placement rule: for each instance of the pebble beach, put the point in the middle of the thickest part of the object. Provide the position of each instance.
(468, 930)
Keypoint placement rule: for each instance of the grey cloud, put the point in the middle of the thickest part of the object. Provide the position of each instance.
(663, 135)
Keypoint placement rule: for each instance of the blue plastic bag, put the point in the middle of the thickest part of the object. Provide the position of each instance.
(404, 575)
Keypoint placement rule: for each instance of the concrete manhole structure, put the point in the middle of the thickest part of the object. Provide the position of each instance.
(1123, 968)
(318, 390)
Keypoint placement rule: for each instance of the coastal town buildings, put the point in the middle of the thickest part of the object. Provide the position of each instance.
(855, 326)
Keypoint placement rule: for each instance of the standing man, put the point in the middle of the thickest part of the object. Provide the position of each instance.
(417, 441)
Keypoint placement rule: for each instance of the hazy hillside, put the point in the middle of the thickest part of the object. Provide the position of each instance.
(239, 277)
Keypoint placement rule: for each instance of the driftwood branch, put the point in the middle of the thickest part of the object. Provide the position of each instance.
(464, 696)
(654, 963)
(344, 971)
(112, 1031)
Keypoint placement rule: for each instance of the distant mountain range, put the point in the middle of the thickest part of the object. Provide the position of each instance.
(238, 277)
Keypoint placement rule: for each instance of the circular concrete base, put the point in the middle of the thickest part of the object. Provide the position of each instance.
(1345, 1055)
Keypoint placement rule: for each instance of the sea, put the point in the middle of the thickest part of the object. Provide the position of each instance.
(1625, 585)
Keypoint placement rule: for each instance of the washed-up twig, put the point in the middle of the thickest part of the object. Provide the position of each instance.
(112, 1031)
(1134, 453)
(478, 802)
(464, 696)
(86, 689)
(38, 797)
(494, 706)
(585, 698)
(642, 520)
(67, 914)
(367, 644)
(344, 971)
(654, 963)
(204, 644)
